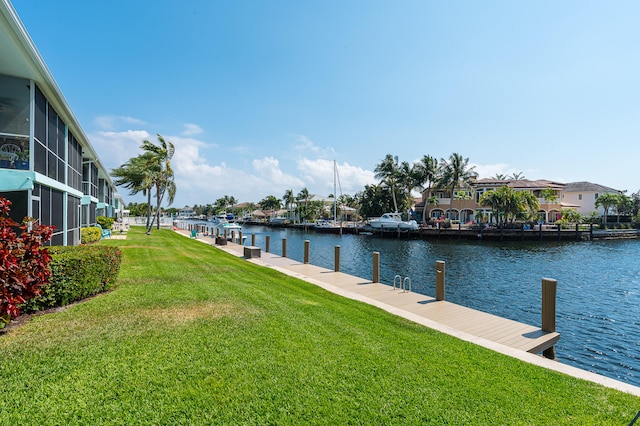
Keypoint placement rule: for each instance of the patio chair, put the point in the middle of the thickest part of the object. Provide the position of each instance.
(106, 233)
(10, 151)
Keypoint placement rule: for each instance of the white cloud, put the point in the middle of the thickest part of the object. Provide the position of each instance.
(319, 176)
(307, 147)
(115, 148)
(111, 122)
(191, 129)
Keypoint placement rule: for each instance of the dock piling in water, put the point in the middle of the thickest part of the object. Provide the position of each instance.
(284, 247)
(549, 289)
(440, 282)
(307, 245)
(376, 267)
(336, 259)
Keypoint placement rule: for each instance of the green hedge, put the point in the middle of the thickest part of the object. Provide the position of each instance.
(90, 235)
(77, 273)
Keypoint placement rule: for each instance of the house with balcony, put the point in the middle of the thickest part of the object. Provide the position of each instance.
(48, 168)
(466, 203)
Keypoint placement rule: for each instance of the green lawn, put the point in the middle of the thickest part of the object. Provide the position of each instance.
(192, 335)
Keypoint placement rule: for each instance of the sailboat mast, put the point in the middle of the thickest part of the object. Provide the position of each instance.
(335, 194)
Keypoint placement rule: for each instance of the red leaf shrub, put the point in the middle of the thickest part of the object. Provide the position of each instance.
(24, 264)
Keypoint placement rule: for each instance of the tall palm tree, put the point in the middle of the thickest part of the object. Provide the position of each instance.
(304, 195)
(456, 173)
(387, 171)
(163, 173)
(288, 200)
(426, 175)
(517, 176)
(137, 176)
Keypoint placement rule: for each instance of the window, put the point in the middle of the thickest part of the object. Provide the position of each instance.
(579, 196)
(14, 111)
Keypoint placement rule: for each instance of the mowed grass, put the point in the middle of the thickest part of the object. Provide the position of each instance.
(192, 335)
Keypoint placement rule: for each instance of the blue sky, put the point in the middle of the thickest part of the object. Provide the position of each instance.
(261, 96)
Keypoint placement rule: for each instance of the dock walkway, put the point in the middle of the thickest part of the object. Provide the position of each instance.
(499, 334)
(479, 324)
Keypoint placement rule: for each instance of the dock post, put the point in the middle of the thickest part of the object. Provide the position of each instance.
(440, 275)
(307, 245)
(336, 259)
(577, 232)
(267, 243)
(240, 237)
(549, 288)
(253, 240)
(376, 267)
(284, 247)
(591, 232)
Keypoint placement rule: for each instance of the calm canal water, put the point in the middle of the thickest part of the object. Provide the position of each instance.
(598, 299)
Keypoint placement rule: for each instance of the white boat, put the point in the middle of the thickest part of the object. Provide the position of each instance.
(230, 230)
(393, 222)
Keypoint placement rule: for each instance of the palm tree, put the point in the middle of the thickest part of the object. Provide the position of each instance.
(605, 201)
(456, 173)
(162, 174)
(499, 176)
(505, 202)
(288, 199)
(304, 195)
(517, 176)
(426, 175)
(549, 195)
(137, 176)
(527, 202)
(387, 171)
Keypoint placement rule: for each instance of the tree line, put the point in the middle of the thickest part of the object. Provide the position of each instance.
(397, 180)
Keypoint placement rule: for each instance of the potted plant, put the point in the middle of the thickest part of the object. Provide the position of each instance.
(22, 162)
(5, 160)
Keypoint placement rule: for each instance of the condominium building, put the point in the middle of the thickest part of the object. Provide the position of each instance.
(48, 168)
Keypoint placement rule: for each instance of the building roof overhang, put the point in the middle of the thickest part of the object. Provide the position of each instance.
(19, 57)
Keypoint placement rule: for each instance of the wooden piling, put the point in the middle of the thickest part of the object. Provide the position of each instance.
(267, 243)
(307, 245)
(549, 288)
(284, 247)
(440, 280)
(336, 259)
(376, 267)
(253, 240)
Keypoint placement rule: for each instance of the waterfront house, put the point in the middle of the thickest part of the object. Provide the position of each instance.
(584, 196)
(552, 197)
(48, 168)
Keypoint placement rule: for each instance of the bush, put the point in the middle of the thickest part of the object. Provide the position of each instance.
(105, 222)
(77, 273)
(24, 265)
(90, 235)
